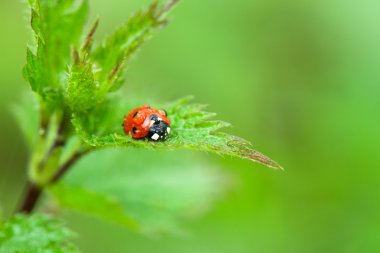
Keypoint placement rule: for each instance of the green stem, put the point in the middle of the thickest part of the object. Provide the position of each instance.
(66, 166)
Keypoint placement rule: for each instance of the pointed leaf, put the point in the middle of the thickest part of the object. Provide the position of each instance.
(190, 129)
(57, 26)
(118, 48)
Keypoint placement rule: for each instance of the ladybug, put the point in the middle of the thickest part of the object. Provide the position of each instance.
(146, 122)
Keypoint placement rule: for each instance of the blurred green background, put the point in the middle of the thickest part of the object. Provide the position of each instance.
(300, 79)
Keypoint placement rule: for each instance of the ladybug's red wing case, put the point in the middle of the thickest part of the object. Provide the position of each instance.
(133, 122)
(146, 122)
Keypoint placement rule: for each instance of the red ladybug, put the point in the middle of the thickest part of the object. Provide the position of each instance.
(146, 122)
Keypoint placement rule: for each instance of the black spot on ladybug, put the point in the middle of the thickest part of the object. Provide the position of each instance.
(134, 115)
(134, 130)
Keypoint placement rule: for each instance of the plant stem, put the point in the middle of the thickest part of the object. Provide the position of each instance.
(33, 191)
(66, 166)
(32, 194)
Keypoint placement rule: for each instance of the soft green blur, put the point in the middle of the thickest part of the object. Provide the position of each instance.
(300, 79)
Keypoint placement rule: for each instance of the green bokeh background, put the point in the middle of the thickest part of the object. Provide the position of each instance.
(300, 79)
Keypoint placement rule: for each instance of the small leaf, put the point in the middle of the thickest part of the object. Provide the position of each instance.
(191, 128)
(57, 26)
(35, 234)
(87, 45)
(83, 91)
(118, 48)
(148, 191)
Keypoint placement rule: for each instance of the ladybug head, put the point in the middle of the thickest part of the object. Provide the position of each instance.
(158, 129)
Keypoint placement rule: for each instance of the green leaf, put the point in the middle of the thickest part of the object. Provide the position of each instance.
(34, 234)
(191, 128)
(83, 91)
(117, 49)
(57, 26)
(148, 191)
